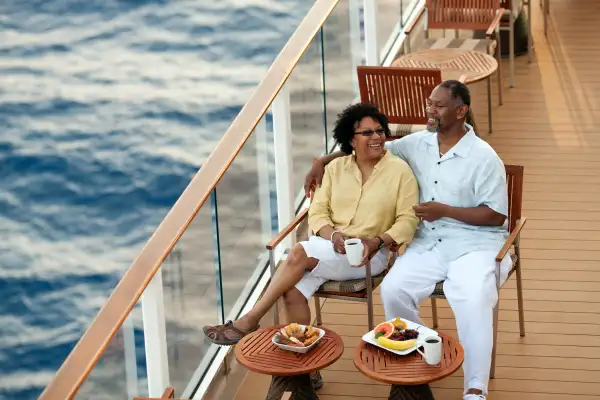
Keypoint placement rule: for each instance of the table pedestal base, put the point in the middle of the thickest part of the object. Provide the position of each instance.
(418, 392)
(300, 386)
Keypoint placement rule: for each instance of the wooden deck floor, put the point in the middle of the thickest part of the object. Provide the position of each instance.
(548, 124)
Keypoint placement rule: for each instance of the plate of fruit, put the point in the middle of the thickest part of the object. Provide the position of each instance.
(298, 338)
(400, 336)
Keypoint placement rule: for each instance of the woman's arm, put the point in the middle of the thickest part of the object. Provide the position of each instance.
(405, 226)
(319, 213)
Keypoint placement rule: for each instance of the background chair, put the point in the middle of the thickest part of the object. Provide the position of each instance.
(514, 177)
(401, 94)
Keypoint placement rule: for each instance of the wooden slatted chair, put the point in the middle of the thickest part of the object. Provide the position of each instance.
(472, 15)
(358, 290)
(401, 94)
(516, 222)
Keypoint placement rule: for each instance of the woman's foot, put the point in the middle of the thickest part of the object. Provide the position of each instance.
(227, 334)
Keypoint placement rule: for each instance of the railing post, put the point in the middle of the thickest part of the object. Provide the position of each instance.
(370, 16)
(155, 336)
(131, 371)
(284, 177)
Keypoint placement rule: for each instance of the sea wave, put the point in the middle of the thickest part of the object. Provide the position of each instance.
(108, 108)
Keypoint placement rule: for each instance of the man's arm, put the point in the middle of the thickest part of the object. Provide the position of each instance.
(480, 216)
(316, 172)
(492, 196)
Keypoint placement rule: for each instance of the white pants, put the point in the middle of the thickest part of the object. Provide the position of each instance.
(470, 287)
(334, 266)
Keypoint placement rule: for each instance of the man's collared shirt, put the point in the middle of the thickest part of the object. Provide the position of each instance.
(384, 204)
(469, 175)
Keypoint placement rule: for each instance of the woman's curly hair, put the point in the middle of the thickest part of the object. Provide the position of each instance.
(349, 117)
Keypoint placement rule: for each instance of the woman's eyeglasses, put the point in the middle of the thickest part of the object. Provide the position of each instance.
(370, 132)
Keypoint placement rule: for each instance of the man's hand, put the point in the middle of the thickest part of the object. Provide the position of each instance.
(338, 242)
(314, 177)
(431, 211)
(370, 247)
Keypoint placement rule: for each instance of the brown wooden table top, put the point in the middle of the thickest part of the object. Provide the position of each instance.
(455, 63)
(385, 366)
(257, 353)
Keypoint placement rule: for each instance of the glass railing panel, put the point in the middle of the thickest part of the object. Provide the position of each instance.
(307, 111)
(343, 51)
(192, 298)
(389, 14)
(246, 209)
(121, 371)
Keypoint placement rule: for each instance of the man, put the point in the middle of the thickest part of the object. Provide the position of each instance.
(463, 209)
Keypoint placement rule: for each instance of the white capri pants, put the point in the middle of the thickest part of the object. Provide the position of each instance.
(470, 287)
(333, 266)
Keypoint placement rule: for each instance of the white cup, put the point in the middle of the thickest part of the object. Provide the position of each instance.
(433, 349)
(354, 251)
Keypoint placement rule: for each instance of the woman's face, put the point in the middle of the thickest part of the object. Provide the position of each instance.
(369, 139)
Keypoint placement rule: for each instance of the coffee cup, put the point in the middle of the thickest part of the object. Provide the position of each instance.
(354, 251)
(432, 346)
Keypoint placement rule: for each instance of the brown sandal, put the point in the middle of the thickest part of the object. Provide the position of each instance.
(226, 334)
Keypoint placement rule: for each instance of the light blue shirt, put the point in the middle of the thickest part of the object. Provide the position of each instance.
(469, 175)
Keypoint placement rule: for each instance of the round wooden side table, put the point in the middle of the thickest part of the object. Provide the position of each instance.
(409, 375)
(290, 371)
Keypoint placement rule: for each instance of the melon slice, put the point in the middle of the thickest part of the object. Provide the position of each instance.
(384, 329)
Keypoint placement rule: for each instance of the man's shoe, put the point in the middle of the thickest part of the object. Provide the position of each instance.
(317, 380)
(474, 397)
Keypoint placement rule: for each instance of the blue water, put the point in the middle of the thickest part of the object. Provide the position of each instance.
(107, 108)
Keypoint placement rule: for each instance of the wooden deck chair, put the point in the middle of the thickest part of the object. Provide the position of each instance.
(358, 290)
(401, 94)
(516, 222)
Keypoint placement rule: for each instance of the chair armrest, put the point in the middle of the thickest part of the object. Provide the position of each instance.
(286, 231)
(511, 239)
(411, 26)
(495, 23)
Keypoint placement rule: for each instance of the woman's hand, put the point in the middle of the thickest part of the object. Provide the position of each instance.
(370, 247)
(338, 242)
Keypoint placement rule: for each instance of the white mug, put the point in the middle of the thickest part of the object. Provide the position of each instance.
(354, 251)
(433, 349)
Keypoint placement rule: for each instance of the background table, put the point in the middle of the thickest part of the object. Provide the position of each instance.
(464, 65)
(475, 66)
(290, 371)
(409, 375)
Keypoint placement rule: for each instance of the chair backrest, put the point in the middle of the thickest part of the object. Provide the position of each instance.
(399, 93)
(514, 180)
(461, 14)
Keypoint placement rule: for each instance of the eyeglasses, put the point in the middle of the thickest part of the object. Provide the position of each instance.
(370, 132)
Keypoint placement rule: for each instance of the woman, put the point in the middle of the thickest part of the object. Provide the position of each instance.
(368, 194)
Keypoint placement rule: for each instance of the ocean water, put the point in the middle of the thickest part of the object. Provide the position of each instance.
(107, 109)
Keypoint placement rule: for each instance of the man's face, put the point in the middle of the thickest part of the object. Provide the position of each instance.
(443, 111)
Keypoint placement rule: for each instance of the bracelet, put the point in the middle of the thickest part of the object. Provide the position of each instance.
(334, 232)
(382, 243)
